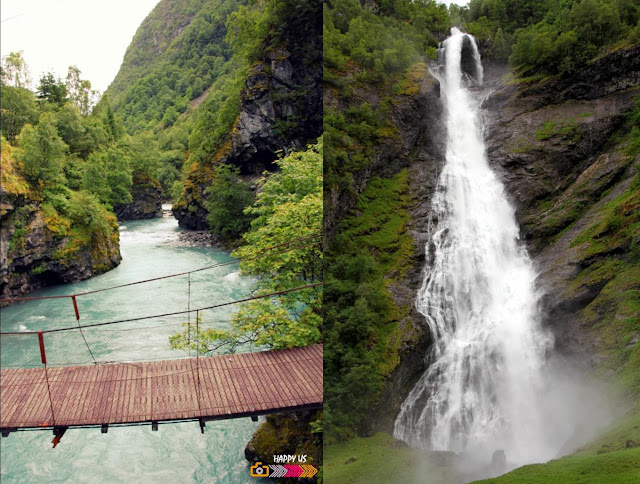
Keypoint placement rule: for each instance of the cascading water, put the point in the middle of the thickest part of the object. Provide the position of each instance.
(481, 390)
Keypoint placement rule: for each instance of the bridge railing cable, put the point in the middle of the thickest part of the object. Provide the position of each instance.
(142, 338)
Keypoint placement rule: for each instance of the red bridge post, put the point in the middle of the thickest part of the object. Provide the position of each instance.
(75, 308)
(43, 356)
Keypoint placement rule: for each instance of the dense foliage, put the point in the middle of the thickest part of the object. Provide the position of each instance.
(383, 41)
(228, 197)
(76, 158)
(282, 250)
(372, 57)
(177, 53)
(552, 36)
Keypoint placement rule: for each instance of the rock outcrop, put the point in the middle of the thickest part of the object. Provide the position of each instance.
(146, 203)
(33, 254)
(561, 147)
(281, 109)
(287, 434)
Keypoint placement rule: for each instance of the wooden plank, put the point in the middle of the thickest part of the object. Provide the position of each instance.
(215, 400)
(224, 384)
(259, 381)
(24, 406)
(66, 396)
(303, 386)
(274, 380)
(286, 378)
(112, 396)
(105, 411)
(130, 403)
(99, 399)
(83, 416)
(226, 371)
(19, 395)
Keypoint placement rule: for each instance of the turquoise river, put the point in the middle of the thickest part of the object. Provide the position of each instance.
(176, 453)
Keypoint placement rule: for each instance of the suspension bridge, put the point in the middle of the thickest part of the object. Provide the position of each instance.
(197, 388)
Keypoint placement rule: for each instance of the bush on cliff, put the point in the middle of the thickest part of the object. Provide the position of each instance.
(228, 197)
(283, 250)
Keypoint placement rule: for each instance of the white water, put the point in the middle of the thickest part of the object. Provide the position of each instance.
(482, 389)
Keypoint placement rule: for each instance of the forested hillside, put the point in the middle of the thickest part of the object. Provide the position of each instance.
(561, 117)
(542, 37)
(221, 82)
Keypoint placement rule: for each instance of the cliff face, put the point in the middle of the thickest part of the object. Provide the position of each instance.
(146, 203)
(34, 254)
(564, 149)
(281, 109)
(391, 196)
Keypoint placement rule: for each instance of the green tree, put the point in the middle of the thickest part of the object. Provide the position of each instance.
(71, 127)
(108, 176)
(18, 106)
(15, 71)
(282, 249)
(111, 123)
(499, 46)
(52, 90)
(227, 198)
(85, 209)
(42, 150)
(79, 91)
(145, 156)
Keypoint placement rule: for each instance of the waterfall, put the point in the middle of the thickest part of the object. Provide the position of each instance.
(485, 374)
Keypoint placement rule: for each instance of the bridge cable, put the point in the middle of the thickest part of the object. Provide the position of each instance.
(155, 316)
(43, 357)
(75, 305)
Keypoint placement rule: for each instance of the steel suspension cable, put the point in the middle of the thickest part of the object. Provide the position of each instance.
(215, 306)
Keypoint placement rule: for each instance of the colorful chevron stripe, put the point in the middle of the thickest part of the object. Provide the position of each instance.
(292, 470)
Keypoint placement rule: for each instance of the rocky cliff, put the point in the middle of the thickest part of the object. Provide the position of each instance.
(39, 247)
(567, 151)
(146, 203)
(34, 254)
(281, 109)
(384, 211)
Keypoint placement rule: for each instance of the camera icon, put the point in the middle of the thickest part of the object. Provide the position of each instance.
(258, 470)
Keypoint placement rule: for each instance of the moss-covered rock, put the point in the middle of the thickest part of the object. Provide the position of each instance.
(146, 200)
(40, 247)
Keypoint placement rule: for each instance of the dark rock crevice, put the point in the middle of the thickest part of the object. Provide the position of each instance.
(146, 203)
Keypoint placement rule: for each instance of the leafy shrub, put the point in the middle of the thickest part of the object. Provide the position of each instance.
(227, 198)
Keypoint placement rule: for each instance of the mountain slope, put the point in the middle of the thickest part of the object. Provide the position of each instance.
(176, 54)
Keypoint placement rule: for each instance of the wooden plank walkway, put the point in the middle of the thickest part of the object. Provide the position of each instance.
(229, 386)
